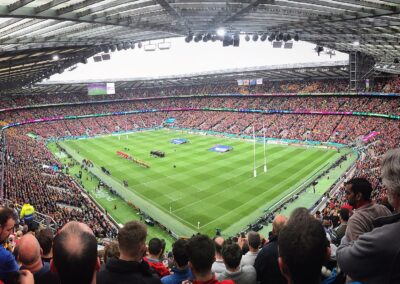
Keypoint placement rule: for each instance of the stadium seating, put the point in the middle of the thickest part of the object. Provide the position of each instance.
(59, 196)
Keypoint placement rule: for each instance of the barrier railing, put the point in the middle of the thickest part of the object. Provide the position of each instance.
(39, 218)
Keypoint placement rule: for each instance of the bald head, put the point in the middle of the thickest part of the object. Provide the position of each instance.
(218, 242)
(29, 250)
(278, 223)
(75, 226)
(75, 253)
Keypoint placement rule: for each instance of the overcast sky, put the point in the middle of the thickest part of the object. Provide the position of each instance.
(184, 58)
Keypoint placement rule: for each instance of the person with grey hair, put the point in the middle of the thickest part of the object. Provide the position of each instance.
(375, 257)
(254, 241)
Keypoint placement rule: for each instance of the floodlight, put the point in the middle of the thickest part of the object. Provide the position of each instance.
(164, 45)
(263, 37)
(198, 37)
(189, 38)
(356, 43)
(55, 57)
(221, 32)
(127, 45)
(150, 47)
(288, 44)
(105, 48)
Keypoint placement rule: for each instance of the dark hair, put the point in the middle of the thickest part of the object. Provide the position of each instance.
(131, 236)
(201, 253)
(232, 254)
(254, 239)
(344, 214)
(179, 252)
(75, 255)
(302, 246)
(111, 251)
(156, 246)
(45, 239)
(361, 185)
(5, 215)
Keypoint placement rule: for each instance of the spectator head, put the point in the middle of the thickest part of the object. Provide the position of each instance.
(29, 253)
(344, 214)
(201, 253)
(75, 254)
(180, 254)
(218, 243)
(232, 255)
(277, 224)
(303, 248)
(111, 251)
(391, 177)
(7, 223)
(45, 239)
(358, 190)
(254, 240)
(132, 241)
(156, 247)
(25, 229)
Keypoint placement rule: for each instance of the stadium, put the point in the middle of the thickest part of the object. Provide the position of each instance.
(218, 154)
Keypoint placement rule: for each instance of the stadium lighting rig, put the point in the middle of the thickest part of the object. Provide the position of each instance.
(230, 37)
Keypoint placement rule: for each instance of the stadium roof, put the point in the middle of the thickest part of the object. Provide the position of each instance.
(32, 31)
(326, 70)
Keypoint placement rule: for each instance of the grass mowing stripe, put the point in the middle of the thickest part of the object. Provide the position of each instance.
(240, 179)
(278, 186)
(204, 185)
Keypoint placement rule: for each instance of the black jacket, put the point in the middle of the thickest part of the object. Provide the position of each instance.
(266, 264)
(121, 271)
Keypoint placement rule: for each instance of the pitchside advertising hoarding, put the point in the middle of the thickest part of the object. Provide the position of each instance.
(98, 89)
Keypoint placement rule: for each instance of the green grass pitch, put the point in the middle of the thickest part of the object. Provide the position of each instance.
(206, 189)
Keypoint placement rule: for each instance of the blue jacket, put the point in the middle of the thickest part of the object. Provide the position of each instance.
(178, 276)
(7, 263)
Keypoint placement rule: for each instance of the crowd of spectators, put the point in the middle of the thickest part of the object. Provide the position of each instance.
(362, 248)
(384, 85)
(30, 170)
(27, 157)
(378, 105)
(30, 176)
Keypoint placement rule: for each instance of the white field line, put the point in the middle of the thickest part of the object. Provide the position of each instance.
(190, 204)
(229, 212)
